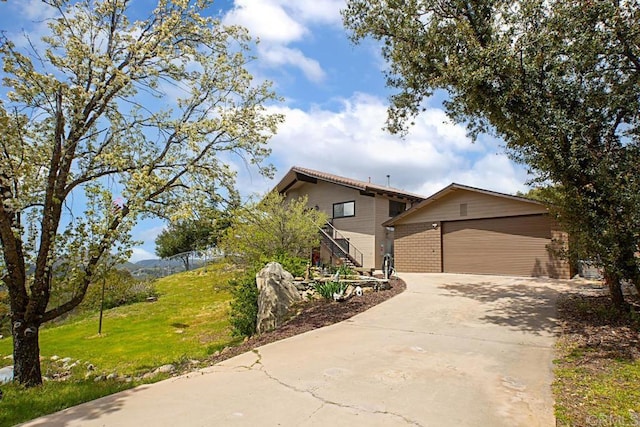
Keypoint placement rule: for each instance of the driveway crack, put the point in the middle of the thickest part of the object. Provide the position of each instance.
(324, 401)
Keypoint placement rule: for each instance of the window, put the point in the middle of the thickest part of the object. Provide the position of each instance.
(463, 209)
(345, 209)
(396, 208)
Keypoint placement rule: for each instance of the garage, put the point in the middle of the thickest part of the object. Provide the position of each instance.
(510, 246)
(463, 229)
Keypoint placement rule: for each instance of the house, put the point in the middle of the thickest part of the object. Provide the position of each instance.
(463, 229)
(356, 209)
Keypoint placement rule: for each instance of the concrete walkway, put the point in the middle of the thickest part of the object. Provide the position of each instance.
(452, 350)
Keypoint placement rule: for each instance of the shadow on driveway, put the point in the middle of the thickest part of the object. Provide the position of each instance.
(526, 305)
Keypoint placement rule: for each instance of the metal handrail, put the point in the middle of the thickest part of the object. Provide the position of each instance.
(351, 251)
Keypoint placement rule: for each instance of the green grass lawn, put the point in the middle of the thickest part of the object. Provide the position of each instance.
(188, 321)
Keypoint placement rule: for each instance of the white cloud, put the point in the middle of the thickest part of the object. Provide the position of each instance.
(139, 254)
(351, 142)
(267, 20)
(280, 55)
(279, 23)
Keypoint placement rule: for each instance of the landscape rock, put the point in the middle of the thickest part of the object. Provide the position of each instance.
(99, 378)
(165, 369)
(90, 367)
(112, 376)
(276, 294)
(6, 374)
(149, 375)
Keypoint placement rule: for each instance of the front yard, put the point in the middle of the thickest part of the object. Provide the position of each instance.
(598, 367)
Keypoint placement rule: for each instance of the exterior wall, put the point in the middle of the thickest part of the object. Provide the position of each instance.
(359, 229)
(561, 268)
(417, 248)
(364, 230)
(479, 205)
(384, 238)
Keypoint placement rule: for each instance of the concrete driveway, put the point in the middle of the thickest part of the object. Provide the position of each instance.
(452, 350)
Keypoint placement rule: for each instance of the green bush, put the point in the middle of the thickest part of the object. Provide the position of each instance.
(244, 307)
(344, 270)
(294, 265)
(327, 289)
(4, 314)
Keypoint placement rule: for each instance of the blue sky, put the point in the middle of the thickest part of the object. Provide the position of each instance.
(335, 103)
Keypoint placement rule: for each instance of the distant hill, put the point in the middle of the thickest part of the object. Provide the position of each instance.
(158, 263)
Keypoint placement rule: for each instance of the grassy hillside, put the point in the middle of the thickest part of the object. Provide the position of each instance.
(188, 321)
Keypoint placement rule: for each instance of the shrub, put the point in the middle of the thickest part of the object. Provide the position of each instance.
(293, 264)
(344, 270)
(4, 313)
(327, 289)
(244, 307)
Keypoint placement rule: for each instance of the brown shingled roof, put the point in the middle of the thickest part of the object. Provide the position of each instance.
(296, 172)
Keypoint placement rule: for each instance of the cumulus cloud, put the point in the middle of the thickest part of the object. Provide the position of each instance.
(279, 23)
(352, 142)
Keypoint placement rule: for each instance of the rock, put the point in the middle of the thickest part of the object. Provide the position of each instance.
(9, 357)
(165, 369)
(149, 375)
(216, 354)
(66, 360)
(276, 294)
(90, 367)
(98, 378)
(112, 376)
(6, 374)
(54, 357)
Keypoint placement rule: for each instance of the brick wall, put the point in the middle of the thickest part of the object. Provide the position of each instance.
(417, 248)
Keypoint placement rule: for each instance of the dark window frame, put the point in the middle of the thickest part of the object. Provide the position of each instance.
(396, 212)
(343, 215)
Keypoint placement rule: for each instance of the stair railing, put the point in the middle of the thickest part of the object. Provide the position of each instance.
(335, 237)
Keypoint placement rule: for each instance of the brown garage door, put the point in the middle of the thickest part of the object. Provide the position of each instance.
(509, 246)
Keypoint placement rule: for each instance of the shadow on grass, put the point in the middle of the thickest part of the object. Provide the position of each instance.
(88, 411)
(521, 304)
(597, 330)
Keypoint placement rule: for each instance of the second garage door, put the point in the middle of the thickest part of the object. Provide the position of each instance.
(508, 246)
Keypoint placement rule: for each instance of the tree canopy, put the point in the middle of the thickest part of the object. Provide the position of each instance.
(558, 81)
(273, 228)
(105, 121)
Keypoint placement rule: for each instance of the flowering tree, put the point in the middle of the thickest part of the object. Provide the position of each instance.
(133, 118)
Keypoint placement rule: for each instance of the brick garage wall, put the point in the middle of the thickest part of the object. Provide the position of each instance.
(417, 248)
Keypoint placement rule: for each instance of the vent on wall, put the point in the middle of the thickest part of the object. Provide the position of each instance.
(463, 209)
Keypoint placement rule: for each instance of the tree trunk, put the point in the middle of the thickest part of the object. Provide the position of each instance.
(26, 354)
(615, 290)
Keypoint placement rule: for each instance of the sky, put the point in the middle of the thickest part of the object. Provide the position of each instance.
(335, 103)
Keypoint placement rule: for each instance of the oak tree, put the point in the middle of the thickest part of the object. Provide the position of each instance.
(558, 81)
(105, 121)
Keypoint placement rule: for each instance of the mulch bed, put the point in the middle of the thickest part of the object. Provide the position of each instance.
(312, 315)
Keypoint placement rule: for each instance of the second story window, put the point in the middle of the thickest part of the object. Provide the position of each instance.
(344, 209)
(396, 208)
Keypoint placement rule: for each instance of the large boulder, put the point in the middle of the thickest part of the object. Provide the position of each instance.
(276, 294)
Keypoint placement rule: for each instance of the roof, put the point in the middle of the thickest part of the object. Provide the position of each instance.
(450, 189)
(298, 174)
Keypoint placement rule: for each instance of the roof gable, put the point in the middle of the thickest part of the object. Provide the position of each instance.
(447, 192)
